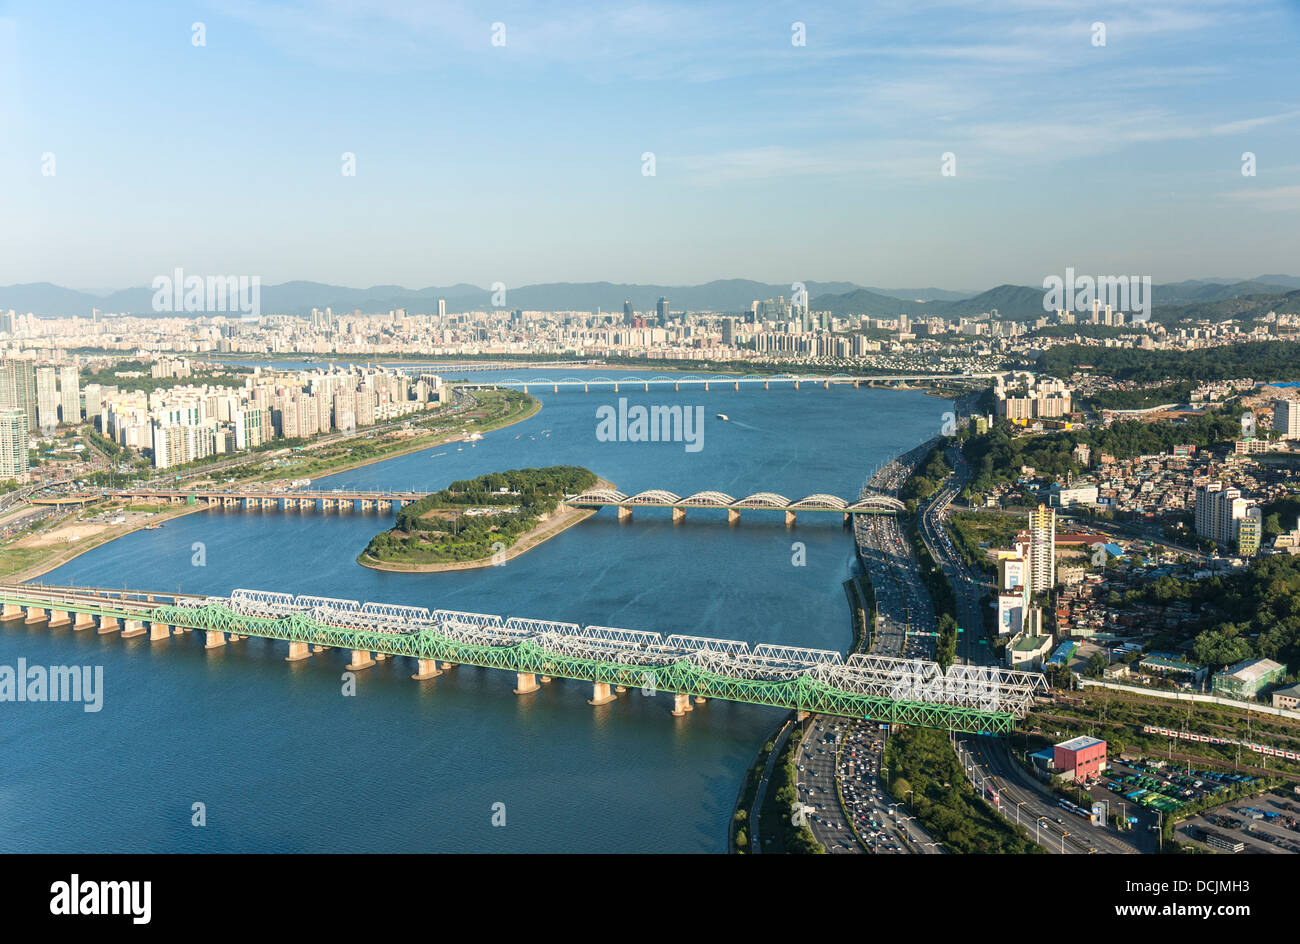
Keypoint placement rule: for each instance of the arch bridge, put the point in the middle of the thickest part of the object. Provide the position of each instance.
(872, 503)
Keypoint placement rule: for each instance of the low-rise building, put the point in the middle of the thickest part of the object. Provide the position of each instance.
(1247, 679)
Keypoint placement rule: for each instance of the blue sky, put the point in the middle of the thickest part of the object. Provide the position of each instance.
(522, 163)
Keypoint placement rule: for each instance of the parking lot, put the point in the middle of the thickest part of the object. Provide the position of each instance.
(1264, 824)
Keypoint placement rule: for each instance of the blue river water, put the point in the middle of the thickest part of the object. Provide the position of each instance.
(282, 760)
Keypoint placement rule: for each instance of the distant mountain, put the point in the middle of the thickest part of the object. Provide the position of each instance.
(1017, 302)
(299, 298)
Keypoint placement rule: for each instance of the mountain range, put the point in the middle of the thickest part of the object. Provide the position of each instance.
(724, 295)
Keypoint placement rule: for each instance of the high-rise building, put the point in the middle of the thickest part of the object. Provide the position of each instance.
(47, 398)
(1286, 418)
(1042, 549)
(729, 331)
(18, 388)
(1250, 531)
(13, 444)
(70, 394)
(1219, 512)
(661, 308)
(442, 308)
(627, 312)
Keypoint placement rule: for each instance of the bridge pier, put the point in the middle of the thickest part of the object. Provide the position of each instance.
(35, 614)
(525, 683)
(855, 385)
(848, 521)
(765, 385)
(681, 705)
(360, 660)
(647, 386)
(796, 385)
(624, 514)
(616, 388)
(737, 386)
(557, 389)
(11, 611)
(679, 514)
(733, 516)
(801, 715)
(706, 385)
(298, 651)
(448, 665)
(159, 631)
(826, 385)
(600, 694)
(789, 519)
(108, 624)
(525, 388)
(83, 621)
(58, 618)
(676, 386)
(426, 669)
(215, 640)
(586, 388)
(132, 627)
(546, 680)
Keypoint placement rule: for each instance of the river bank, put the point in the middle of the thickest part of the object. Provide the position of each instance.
(562, 520)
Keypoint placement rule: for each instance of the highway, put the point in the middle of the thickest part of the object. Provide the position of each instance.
(988, 760)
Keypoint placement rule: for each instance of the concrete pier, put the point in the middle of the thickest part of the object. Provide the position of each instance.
(733, 516)
(789, 519)
(426, 669)
(600, 694)
(624, 514)
(448, 665)
(59, 618)
(298, 651)
(132, 627)
(35, 614)
(11, 611)
(700, 699)
(84, 621)
(108, 624)
(801, 715)
(546, 680)
(159, 631)
(679, 514)
(215, 640)
(681, 705)
(525, 683)
(360, 660)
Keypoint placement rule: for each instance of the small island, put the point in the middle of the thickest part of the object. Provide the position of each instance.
(480, 522)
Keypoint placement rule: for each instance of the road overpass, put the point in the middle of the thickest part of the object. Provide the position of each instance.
(717, 381)
(875, 504)
(689, 668)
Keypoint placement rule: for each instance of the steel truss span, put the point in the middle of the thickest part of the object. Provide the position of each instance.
(869, 502)
(977, 699)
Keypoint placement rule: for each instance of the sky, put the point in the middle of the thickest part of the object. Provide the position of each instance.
(507, 142)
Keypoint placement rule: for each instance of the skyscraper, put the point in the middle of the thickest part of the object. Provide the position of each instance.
(1042, 549)
(18, 388)
(70, 394)
(442, 308)
(627, 312)
(662, 309)
(13, 444)
(47, 398)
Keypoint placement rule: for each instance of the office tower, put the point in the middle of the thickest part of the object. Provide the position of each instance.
(627, 312)
(1286, 418)
(729, 331)
(13, 444)
(47, 398)
(1042, 549)
(662, 309)
(70, 394)
(442, 308)
(18, 388)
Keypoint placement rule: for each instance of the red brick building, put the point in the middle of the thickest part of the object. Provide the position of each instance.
(1083, 758)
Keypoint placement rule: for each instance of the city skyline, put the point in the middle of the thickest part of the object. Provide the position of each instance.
(471, 163)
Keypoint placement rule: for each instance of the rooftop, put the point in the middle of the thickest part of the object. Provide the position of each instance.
(1080, 742)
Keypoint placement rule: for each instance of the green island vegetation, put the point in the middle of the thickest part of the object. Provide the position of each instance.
(926, 776)
(1263, 360)
(464, 521)
(997, 455)
(925, 481)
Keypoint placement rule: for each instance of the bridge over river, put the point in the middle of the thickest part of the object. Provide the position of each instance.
(976, 699)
